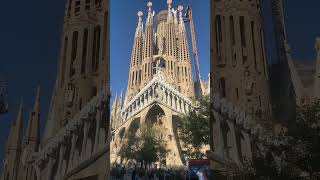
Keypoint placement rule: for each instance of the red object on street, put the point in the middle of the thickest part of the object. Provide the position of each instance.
(193, 162)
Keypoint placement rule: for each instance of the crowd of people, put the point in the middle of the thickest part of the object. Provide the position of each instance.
(137, 173)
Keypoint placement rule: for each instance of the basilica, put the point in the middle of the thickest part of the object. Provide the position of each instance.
(161, 85)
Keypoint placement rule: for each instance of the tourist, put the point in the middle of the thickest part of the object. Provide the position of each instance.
(134, 173)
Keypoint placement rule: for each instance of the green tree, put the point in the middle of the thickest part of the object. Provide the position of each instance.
(129, 147)
(194, 128)
(145, 146)
(292, 150)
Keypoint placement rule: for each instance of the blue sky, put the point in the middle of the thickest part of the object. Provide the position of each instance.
(123, 25)
(30, 42)
(302, 28)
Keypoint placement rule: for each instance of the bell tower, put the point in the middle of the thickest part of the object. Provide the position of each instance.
(240, 67)
(82, 71)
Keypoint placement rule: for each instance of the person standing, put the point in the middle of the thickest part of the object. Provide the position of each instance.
(133, 174)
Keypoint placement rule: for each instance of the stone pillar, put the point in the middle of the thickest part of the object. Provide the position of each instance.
(217, 135)
(140, 102)
(37, 170)
(246, 143)
(96, 139)
(85, 139)
(50, 168)
(73, 146)
(187, 108)
(234, 153)
(61, 154)
(148, 99)
(178, 105)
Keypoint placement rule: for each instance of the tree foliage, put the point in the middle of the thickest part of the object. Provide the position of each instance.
(194, 128)
(145, 146)
(290, 151)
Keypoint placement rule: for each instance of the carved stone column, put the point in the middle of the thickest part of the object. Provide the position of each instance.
(85, 139)
(140, 101)
(234, 148)
(61, 154)
(217, 135)
(183, 104)
(50, 168)
(246, 143)
(149, 95)
(96, 141)
(73, 146)
(187, 108)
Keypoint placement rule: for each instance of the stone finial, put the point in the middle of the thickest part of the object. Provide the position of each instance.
(180, 8)
(149, 4)
(140, 14)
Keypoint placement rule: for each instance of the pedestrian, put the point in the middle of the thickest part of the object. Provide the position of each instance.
(113, 173)
(134, 173)
(123, 172)
(118, 173)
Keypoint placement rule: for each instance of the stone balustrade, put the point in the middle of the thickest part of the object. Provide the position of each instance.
(156, 91)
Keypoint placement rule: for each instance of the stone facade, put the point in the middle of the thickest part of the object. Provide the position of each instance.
(239, 84)
(160, 84)
(240, 87)
(75, 142)
(240, 71)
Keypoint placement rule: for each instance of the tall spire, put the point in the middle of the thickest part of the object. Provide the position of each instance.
(280, 28)
(140, 25)
(136, 59)
(16, 137)
(120, 103)
(147, 48)
(169, 18)
(14, 146)
(150, 14)
(114, 105)
(171, 38)
(37, 100)
(113, 111)
(176, 22)
(33, 130)
(148, 42)
(184, 54)
(184, 71)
